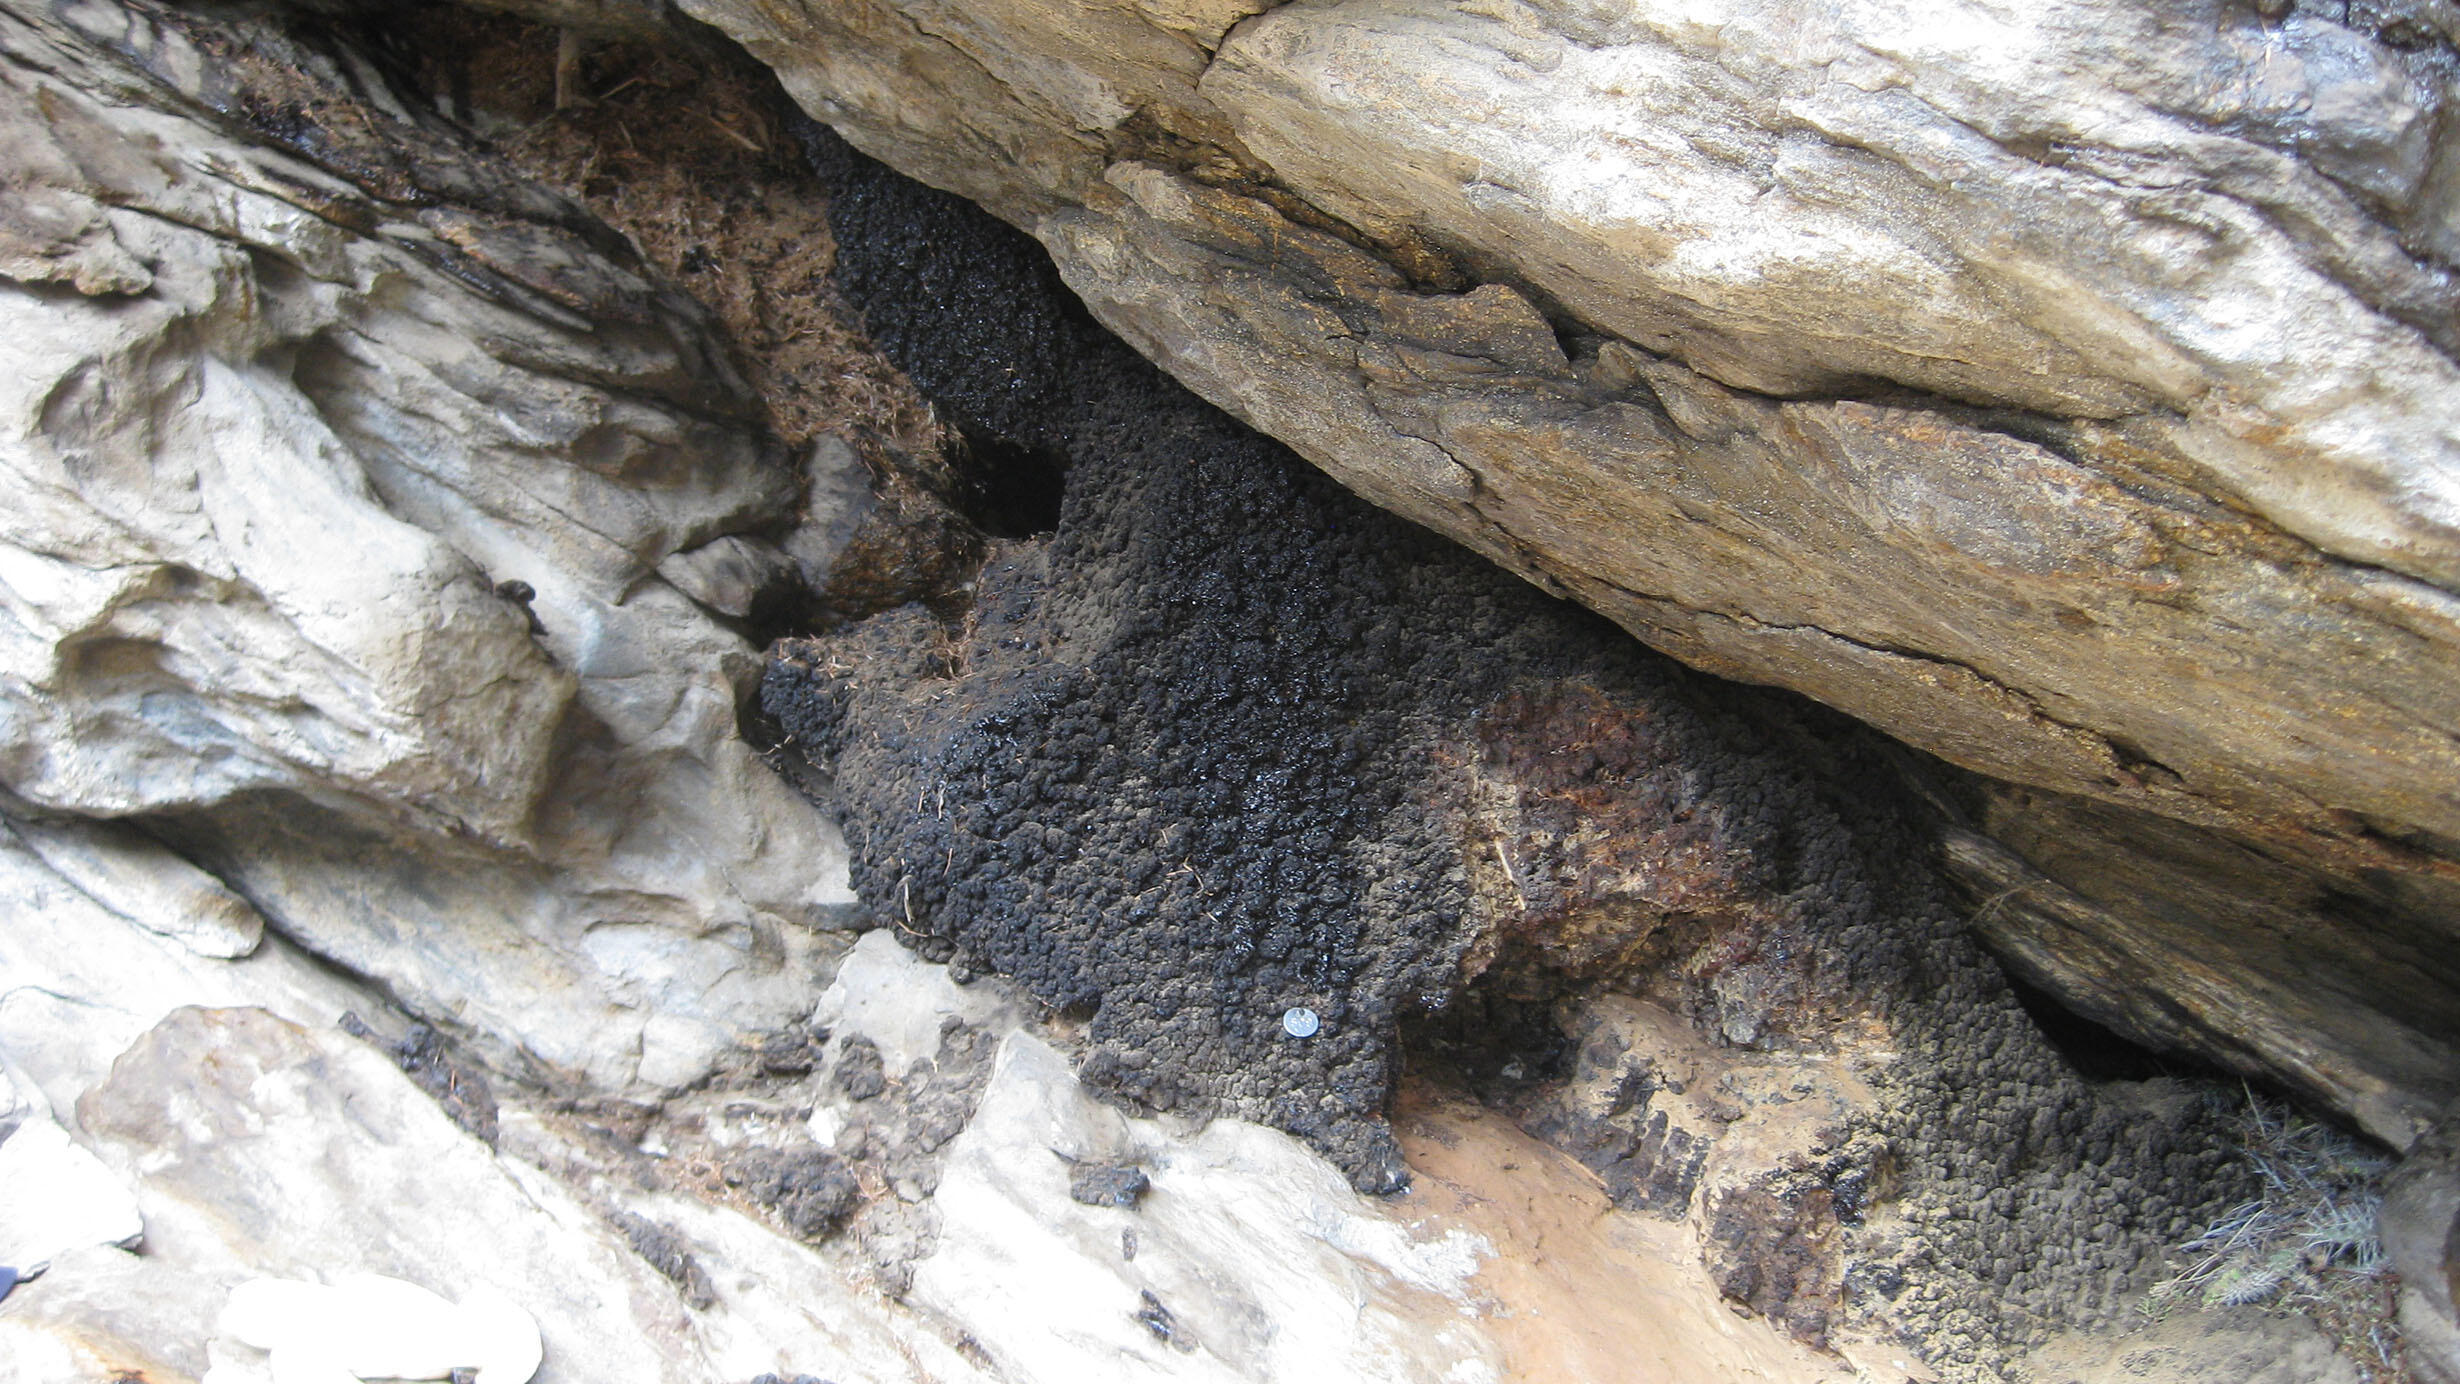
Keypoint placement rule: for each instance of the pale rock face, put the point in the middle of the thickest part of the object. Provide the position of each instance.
(1266, 1262)
(80, 981)
(102, 1312)
(262, 1148)
(368, 1326)
(1250, 1257)
(884, 993)
(1800, 199)
(2067, 389)
(275, 438)
(262, 1141)
(60, 1198)
(1266, 1265)
(137, 878)
(279, 1166)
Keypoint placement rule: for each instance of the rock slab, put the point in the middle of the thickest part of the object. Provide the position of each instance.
(348, 467)
(2066, 389)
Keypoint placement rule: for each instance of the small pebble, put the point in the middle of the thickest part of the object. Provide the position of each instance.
(1162, 1321)
(1109, 1185)
(1300, 1022)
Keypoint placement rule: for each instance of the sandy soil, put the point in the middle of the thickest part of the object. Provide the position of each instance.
(1557, 1239)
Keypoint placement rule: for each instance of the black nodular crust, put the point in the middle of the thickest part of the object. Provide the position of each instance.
(1178, 770)
(1196, 758)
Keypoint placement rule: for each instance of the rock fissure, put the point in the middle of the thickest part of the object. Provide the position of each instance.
(1228, 35)
(1270, 804)
(1136, 785)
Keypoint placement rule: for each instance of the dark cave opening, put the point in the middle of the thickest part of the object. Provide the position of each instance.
(2095, 1052)
(1490, 1043)
(1006, 490)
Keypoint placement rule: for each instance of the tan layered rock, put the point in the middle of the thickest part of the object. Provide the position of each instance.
(2068, 390)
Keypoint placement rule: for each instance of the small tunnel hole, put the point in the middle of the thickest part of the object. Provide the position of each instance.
(1493, 1045)
(2095, 1052)
(1005, 490)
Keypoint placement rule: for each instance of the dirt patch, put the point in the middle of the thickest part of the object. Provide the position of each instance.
(1557, 1237)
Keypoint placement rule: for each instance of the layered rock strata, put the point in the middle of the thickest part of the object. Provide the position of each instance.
(1229, 745)
(2065, 389)
(379, 533)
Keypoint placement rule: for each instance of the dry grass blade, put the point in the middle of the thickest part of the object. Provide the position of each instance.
(2309, 1243)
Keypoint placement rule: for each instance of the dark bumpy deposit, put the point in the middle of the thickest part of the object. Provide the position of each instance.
(1228, 741)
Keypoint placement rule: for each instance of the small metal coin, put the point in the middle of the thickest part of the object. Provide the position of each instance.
(1300, 1022)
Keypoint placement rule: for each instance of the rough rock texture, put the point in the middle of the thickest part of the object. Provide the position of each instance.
(388, 889)
(137, 878)
(1267, 1265)
(1018, 1250)
(2067, 389)
(258, 1146)
(1231, 741)
(80, 981)
(346, 468)
(2421, 1236)
(61, 1200)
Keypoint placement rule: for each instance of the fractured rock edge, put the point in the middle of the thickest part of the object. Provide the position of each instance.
(279, 491)
(2033, 515)
(1230, 741)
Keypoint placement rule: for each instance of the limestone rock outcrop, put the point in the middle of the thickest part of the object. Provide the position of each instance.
(377, 533)
(2067, 389)
(390, 886)
(257, 1145)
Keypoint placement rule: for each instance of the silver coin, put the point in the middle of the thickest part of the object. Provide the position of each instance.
(1300, 1022)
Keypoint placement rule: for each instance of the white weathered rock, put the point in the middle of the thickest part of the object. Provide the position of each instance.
(275, 446)
(265, 1150)
(106, 1314)
(261, 1148)
(139, 879)
(16, 1106)
(369, 1326)
(56, 1197)
(785, 1308)
(892, 997)
(79, 982)
(1267, 1264)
